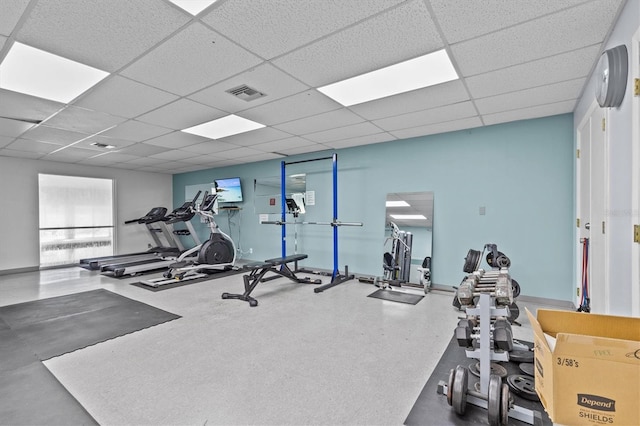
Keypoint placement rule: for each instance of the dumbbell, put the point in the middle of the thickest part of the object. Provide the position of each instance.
(502, 335)
(463, 332)
(498, 398)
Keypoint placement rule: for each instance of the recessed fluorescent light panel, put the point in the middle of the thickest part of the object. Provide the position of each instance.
(397, 204)
(408, 216)
(193, 6)
(424, 71)
(225, 126)
(35, 72)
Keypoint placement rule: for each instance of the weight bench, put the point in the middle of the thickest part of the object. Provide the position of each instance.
(258, 270)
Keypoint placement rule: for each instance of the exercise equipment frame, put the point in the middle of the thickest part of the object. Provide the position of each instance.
(336, 276)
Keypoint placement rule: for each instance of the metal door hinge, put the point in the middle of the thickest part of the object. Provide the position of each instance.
(603, 124)
(636, 233)
(577, 153)
(578, 223)
(636, 87)
(603, 226)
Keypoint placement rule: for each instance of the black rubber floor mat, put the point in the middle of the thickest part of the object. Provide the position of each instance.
(59, 325)
(29, 393)
(396, 296)
(432, 409)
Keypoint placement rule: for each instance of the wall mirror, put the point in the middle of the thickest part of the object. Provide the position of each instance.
(408, 237)
(267, 194)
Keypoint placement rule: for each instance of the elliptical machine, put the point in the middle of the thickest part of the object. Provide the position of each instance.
(216, 255)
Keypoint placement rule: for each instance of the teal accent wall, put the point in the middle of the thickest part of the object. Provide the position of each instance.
(521, 172)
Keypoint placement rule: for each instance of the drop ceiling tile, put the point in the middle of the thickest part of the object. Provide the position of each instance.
(464, 20)
(568, 90)
(52, 135)
(449, 126)
(105, 34)
(362, 140)
(293, 107)
(542, 37)
(264, 78)
(174, 154)
(264, 156)
(399, 34)
(125, 166)
(181, 114)
(136, 131)
(21, 154)
(239, 153)
(352, 131)
(143, 150)
(109, 159)
(198, 159)
(430, 97)
(209, 147)
(83, 120)
(532, 112)
(253, 137)
(13, 128)
(427, 117)
(173, 165)
(124, 98)
(147, 161)
(176, 140)
(118, 143)
(316, 147)
(258, 25)
(5, 140)
(33, 146)
(328, 120)
(194, 58)
(71, 155)
(19, 105)
(282, 144)
(11, 12)
(153, 170)
(567, 66)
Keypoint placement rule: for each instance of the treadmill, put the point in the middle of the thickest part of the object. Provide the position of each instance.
(154, 222)
(160, 260)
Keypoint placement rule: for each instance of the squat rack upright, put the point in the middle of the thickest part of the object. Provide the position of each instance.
(336, 276)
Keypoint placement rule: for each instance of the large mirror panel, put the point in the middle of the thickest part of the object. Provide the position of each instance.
(267, 194)
(409, 238)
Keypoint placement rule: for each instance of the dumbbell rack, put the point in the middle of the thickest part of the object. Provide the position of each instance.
(495, 400)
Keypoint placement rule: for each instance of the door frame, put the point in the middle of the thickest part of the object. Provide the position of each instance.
(635, 173)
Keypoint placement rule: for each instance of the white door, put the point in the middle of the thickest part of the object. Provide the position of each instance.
(592, 205)
(635, 132)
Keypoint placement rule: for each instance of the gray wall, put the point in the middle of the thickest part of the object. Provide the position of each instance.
(135, 194)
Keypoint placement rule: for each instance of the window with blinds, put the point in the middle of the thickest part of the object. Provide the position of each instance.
(76, 218)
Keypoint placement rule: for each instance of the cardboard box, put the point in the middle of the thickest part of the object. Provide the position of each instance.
(587, 367)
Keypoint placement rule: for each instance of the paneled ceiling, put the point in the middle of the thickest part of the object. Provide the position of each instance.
(169, 70)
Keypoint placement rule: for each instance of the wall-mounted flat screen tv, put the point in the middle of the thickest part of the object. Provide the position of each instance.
(229, 190)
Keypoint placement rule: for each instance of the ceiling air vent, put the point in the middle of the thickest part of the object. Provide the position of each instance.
(246, 93)
(102, 145)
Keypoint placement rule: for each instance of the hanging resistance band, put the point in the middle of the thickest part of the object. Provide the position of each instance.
(584, 300)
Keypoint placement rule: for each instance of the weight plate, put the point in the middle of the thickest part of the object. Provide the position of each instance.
(515, 286)
(472, 261)
(514, 312)
(493, 400)
(527, 368)
(523, 386)
(474, 368)
(459, 397)
(450, 387)
(505, 400)
(521, 356)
